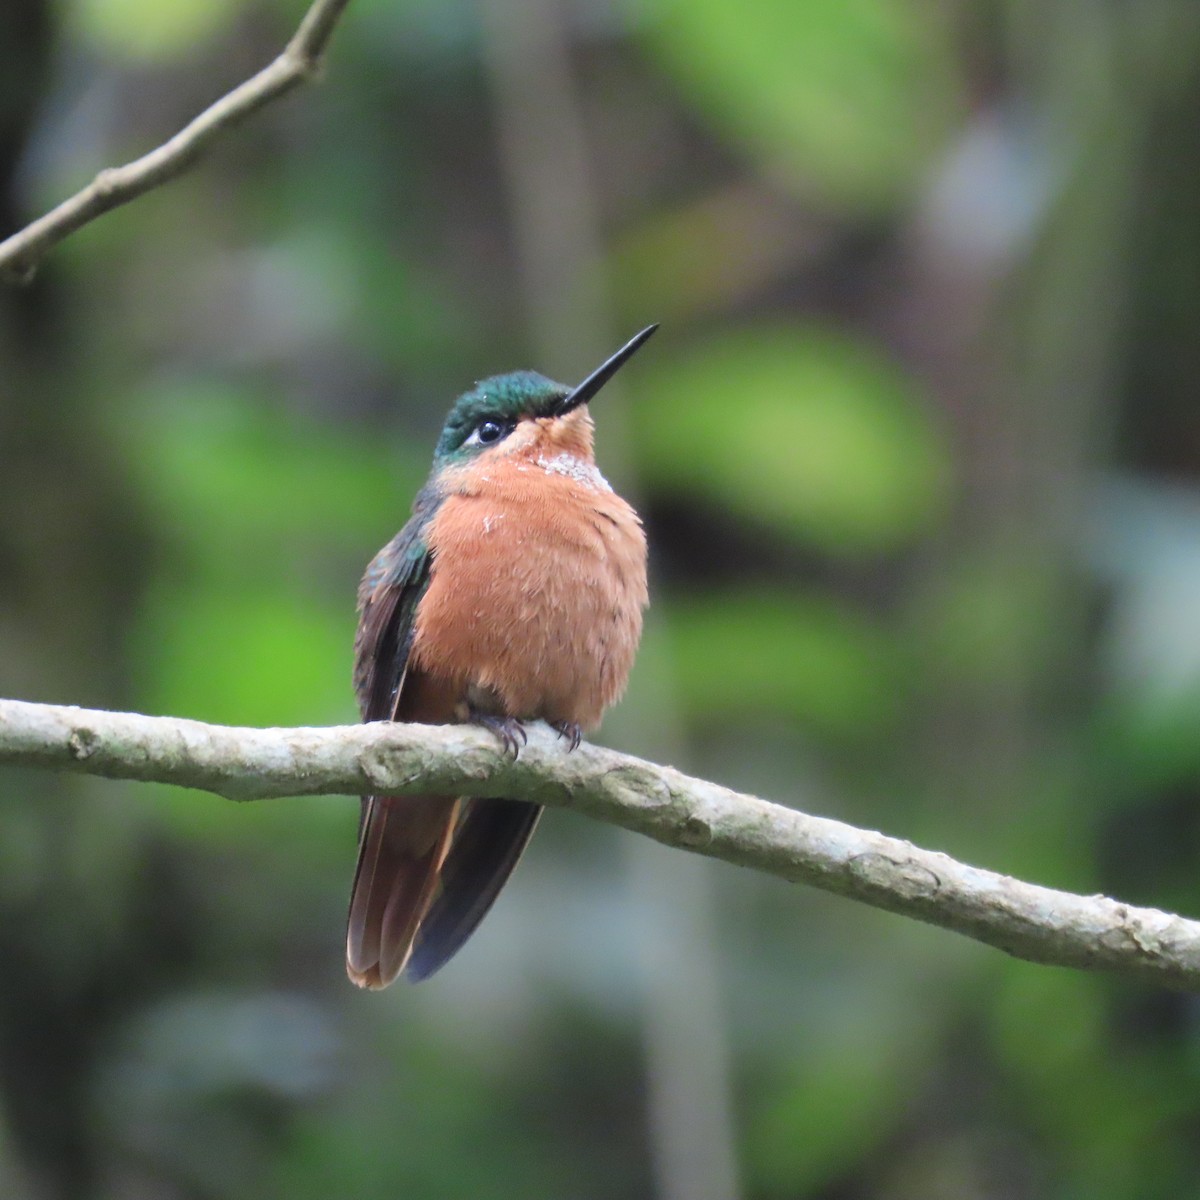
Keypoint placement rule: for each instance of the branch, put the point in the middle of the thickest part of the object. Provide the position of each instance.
(299, 62)
(1028, 921)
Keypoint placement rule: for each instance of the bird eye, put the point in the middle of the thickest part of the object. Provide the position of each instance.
(487, 432)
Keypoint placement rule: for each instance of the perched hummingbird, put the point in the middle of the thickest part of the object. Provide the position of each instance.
(515, 592)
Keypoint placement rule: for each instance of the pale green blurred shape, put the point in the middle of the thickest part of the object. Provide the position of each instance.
(267, 657)
(838, 1093)
(231, 473)
(810, 660)
(1154, 739)
(843, 99)
(990, 616)
(1102, 1113)
(272, 518)
(803, 428)
(150, 30)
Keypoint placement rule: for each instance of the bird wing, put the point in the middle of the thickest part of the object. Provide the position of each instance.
(403, 841)
(425, 878)
(391, 589)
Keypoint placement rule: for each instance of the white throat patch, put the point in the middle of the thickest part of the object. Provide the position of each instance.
(585, 473)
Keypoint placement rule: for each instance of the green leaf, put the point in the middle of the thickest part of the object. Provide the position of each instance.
(238, 479)
(152, 30)
(270, 517)
(842, 1085)
(807, 430)
(799, 658)
(844, 97)
(258, 657)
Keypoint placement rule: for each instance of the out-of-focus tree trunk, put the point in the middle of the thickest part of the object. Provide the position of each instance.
(84, 936)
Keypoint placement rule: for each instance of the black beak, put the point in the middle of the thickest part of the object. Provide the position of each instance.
(602, 374)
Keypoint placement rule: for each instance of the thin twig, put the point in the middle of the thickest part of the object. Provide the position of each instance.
(299, 62)
(1024, 919)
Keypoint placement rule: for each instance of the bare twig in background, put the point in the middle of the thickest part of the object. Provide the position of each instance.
(1023, 919)
(299, 62)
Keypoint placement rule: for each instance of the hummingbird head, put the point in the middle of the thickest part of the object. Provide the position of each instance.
(496, 408)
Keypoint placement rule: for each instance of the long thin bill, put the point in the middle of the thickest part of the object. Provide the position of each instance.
(602, 374)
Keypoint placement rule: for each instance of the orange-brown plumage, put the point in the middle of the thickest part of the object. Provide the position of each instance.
(538, 580)
(514, 593)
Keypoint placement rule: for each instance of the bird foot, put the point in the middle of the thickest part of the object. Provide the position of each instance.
(507, 729)
(571, 730)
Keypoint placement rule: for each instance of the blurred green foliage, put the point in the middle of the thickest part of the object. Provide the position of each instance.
(799, 428)
(150, 32)
(925, 541)
(749, 656)
(846, 99)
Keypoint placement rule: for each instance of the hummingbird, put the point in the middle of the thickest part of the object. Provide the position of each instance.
(514, 593)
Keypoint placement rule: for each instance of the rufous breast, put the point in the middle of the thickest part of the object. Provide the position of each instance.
(538, 578)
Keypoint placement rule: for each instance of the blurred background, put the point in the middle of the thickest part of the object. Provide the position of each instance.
(918, 448)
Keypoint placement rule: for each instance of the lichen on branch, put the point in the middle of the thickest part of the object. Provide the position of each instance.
(1024, 919)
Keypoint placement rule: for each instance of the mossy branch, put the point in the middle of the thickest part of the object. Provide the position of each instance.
(299, 62)
(1024, 919)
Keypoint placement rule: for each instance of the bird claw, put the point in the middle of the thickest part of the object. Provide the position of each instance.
(507, 729)
(571, 730)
